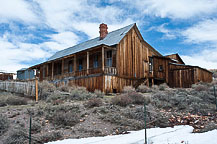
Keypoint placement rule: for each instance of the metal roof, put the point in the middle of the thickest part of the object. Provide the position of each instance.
(22, 69)
(112, 38)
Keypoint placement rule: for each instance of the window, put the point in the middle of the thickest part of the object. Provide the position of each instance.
(70, 66)
(80, 67)
(109, 58)
(95, 61)
(150, 64)
(160, 68)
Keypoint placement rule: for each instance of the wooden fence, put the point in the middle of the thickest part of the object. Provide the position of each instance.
(29, 88)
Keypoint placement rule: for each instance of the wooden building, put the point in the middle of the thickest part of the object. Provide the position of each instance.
(25, 74)
(117, 59)
(6, 76)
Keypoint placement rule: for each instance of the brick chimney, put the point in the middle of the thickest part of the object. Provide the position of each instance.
(103, 30)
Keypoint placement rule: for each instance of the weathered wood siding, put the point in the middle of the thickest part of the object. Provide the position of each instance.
(203, 75)
(133, 56)
(161, 74)
(115, 83)
(176, 57)
(91, 83)
(181, 78)
(5, 76)
(185, 76)
(25, 88)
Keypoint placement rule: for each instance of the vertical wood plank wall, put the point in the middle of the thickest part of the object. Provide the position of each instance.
(165, 65)
(133, 56)
(185, 76)
(131, 60)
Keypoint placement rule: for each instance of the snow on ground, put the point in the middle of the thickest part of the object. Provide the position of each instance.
(176, 135)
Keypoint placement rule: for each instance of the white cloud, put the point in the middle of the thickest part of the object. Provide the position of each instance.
(16, 10)
(204, 31)
(67, 15)
(206, 59)
(175, 9)
(92, 29)
(15, 53)
(167, 33)
(62, 40)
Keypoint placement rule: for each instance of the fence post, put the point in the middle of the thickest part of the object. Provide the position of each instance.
(215, 97)
(145, 123)
(36, 90)
(30, 127)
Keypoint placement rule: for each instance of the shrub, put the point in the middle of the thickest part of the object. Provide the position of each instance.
(45, 88)
(128, 89)
(155, 87)
(214, 82)
(66, 88)
(163, 86)
(13, 100)
(66, 119)
(99, 93)
(95, 102)
(80, 93)
(17, 136)
(143, 89)
(51, 136)
(122, 100)
(200, 87)
(54, 96)
(36, 127)
(137, 98)
(2, 103)
(4, 124)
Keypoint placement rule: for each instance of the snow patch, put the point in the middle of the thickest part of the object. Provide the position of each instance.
(175, 135)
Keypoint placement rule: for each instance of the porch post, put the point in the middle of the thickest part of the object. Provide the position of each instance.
(47, 70)
(74, 63)
(103, 59)
(87, 62)
(52, 72)
(62, 67)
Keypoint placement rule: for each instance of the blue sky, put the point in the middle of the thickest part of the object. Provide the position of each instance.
(32, 30)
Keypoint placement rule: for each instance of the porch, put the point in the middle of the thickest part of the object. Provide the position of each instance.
(97, 61)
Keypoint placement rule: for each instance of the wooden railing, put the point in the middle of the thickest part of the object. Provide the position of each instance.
(95, 70)
(107, 70)
(81, 73)
(110, 70)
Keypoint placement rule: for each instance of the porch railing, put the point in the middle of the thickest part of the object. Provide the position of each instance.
(110, 70)
(91, 71)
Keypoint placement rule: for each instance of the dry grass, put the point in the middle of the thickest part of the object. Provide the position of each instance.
(4, 124)
(65, 119)
(121, 100)
(95, 102)
(17, 136)
(45, 88)
(128, 89)
(144, 89)
(99, 93)
(200, 87)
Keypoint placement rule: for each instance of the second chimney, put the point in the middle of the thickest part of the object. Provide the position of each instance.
(103, 30)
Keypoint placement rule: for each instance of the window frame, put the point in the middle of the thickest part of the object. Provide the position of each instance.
(160, 68)
(109, 58)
